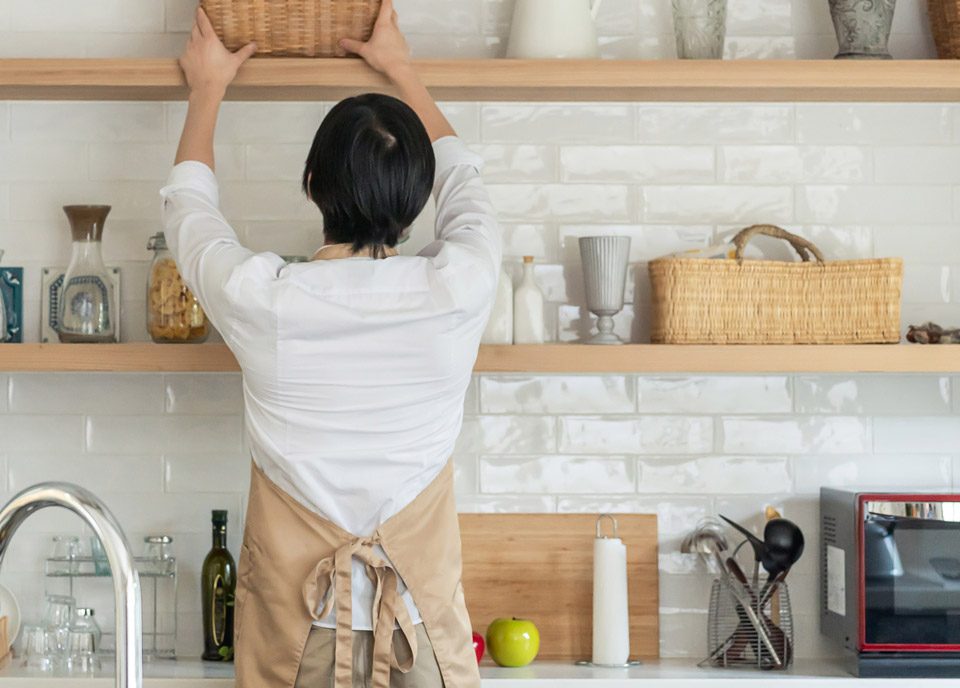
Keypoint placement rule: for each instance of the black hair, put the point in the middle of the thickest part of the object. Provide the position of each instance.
(370, 171)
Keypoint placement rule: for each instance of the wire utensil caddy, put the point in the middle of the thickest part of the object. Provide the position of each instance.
(749, 625)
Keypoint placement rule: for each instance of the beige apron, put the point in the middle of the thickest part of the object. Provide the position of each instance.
(290, 558)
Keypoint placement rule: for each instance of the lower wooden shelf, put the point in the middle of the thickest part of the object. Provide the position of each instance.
(547, 358)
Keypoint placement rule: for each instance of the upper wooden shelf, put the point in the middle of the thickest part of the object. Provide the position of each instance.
(549, 358)
(502, 80)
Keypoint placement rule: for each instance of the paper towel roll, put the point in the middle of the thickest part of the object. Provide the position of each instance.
(611, 611)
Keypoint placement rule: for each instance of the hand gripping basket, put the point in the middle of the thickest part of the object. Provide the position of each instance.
(303, 28)
(717, 301)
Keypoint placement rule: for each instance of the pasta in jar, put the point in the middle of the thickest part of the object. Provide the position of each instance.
(173, 313)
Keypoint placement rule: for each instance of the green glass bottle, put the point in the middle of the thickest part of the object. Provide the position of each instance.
(219, 581)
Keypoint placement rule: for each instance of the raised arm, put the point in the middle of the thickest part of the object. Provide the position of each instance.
(388, 53)
(468, 247)
(209, 68)
(214, 265)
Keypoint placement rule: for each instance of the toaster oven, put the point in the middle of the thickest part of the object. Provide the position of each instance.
(890, 581)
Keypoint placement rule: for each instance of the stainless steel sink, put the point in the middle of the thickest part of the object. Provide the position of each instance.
(126, 581)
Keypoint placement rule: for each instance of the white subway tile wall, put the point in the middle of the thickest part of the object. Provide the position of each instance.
(860, 179)
(163, 450)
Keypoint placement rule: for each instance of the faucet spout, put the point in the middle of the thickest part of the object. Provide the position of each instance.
(126, 580)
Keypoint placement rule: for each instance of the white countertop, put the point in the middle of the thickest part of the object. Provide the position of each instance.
(192, 673)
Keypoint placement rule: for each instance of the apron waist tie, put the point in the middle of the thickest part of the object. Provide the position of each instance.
(335, 573)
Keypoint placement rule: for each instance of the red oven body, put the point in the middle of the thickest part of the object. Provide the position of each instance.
(890, 580)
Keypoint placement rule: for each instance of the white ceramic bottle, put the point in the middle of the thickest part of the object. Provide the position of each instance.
(500, 326)
(528, 308)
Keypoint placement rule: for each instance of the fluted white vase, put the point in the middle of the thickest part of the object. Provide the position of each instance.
(605, 260)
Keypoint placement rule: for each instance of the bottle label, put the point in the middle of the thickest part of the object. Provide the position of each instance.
(218, 616)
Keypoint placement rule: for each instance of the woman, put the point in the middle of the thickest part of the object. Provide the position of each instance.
(355, 367)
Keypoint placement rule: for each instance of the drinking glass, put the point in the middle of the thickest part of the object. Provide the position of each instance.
(82, 657)
(57, 619)
(158, 547)
(66, 551)
(700, 27)
(101, 565)
(40, 652)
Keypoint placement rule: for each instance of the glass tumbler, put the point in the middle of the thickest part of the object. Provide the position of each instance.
(66, 551)
(101, 565)
(39, 649)
(158, 547)
(58, 618)
(82, 657)
(700, 27)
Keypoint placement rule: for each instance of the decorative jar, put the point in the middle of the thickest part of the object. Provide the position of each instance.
(863, 28)
(700, 27)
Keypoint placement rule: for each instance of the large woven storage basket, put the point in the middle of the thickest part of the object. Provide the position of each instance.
(945, 25)
(305, 28)
(704, 301)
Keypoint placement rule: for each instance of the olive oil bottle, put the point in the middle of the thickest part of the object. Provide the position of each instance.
(219, 581)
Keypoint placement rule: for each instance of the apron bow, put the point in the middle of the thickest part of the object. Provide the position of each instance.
(329, 585)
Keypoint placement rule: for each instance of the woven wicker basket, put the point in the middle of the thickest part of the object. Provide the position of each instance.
(945, 25)
(304, 28)
(703, 301)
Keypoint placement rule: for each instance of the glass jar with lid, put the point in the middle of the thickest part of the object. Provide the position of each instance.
(85, 622)
(173, 313)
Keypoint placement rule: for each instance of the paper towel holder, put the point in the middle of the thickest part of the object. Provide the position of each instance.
(613, 520)
(602, 536)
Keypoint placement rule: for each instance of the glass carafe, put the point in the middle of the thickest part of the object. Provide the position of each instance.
(88, 308)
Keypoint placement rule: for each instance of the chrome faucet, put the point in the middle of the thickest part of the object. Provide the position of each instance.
(126, 580)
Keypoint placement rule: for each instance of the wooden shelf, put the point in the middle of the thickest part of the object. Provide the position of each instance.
(549, 358)
(502, 80)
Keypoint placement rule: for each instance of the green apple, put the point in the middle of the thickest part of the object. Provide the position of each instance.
(513, 642)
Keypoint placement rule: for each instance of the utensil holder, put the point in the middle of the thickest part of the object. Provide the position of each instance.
(733, 641)
(605, 260)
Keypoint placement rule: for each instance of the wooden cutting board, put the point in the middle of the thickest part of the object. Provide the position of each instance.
(540, 567)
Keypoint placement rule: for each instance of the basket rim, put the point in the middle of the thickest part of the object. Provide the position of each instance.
(786, 263)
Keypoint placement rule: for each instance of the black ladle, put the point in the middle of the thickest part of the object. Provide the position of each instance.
(781, 547)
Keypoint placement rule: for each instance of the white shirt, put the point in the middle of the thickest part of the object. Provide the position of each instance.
(354, 371)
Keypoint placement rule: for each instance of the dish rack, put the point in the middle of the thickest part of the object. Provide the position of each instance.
(88, 580)
(749, 625)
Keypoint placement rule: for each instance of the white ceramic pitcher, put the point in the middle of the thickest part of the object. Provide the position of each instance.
(544, 29)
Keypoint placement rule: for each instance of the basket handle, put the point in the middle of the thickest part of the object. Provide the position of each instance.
(803, 247)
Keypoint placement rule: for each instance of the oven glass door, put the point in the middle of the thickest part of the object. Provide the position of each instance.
(911, 566)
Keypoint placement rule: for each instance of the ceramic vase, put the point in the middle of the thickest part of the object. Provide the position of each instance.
(554, 29)
(605, 260)
(863, 28)
(528, 308)
(500, 326)
(700, 27)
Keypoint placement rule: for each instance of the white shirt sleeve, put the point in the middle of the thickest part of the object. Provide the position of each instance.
(227, 278)
(468, 247)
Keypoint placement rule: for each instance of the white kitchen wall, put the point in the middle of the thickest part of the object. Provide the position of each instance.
(861, 180)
